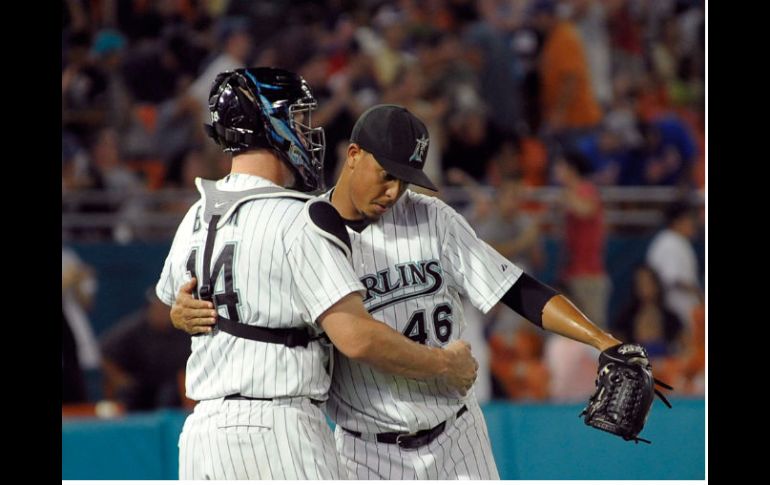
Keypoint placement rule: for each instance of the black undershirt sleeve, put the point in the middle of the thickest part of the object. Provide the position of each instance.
(528, 297)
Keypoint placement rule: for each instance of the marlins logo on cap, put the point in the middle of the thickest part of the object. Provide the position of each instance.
(397, 139)
(419, 150)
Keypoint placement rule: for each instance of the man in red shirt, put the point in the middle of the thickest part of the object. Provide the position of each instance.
(584, 237)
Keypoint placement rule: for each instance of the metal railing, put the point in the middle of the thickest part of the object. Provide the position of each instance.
(104, 215)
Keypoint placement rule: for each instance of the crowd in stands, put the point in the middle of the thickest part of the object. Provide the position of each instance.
(500, 83)
(576, 94)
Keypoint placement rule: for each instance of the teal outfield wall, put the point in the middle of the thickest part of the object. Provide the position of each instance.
(550, 442)
(530, 442)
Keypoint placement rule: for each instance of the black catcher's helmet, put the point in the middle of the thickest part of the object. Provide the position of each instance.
(266, 107)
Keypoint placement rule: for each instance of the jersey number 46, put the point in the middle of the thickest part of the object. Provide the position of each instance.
(442, 325)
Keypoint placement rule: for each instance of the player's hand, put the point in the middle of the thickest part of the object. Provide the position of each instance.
(191, 315)
(463, 367)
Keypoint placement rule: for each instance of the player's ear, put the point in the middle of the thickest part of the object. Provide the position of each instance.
(354, 155)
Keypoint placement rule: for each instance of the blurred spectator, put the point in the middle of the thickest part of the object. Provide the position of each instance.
(501, 222)
(506, 164)
(114, 174)
(83, 88)
(185, 167)
(615, 150)
(669, 151)
(685, 372)
(607, 153)
(108, 50)
(584, 239)
(165, 128)
(74, 16)
(235, 39)
(646, 320)
(496, 64)
(673, 258)
(139, 20)
(591, 20)
(151, 71)
(534, 163)
(663, 51)
(342, 97)
(77, 173)
(80, 351)
(142, 358)
(621, 116)
(183, 170)
(517, 365)
(178, 125)
(451, 76)
(384, 43)
(472, 142)
(122, 182)
(571, 369)
(568, 102)
(625, 27)
(526, 43)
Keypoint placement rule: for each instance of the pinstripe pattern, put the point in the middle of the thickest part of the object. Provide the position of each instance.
(284, 275)
(287, 259)
(462, 452)
(416, 231)
(257, 440)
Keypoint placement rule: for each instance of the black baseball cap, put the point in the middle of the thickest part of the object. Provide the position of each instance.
(397, 139)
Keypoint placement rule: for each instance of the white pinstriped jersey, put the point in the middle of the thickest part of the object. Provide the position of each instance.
(273, 271)
(415, 262)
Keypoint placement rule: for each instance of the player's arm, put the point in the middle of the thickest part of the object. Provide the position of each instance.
(361, 338)
(546, 308)
(474, 265)
(581, 204)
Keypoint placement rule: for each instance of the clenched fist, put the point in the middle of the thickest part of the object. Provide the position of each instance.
(463, 367)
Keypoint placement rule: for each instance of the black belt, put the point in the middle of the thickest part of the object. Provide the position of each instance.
(239, 397)
(415, 440)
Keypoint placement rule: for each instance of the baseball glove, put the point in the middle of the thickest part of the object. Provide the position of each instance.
(625, 389)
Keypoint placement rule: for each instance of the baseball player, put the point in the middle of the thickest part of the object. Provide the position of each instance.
(416, 257)
(277, 271)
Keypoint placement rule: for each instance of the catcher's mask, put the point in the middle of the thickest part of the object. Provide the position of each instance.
(269, 108)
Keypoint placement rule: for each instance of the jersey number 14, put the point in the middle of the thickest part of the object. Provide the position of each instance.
(224, 265)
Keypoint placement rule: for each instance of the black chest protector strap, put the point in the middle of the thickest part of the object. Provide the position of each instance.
(219, 206)
(326, 221)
